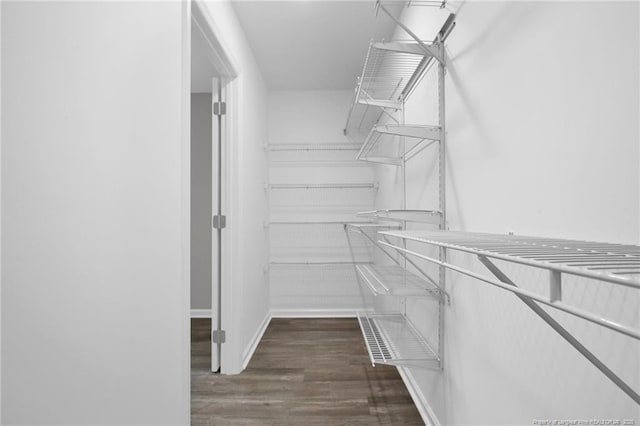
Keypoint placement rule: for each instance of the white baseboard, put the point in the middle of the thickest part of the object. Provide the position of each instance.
(255, 340)
(426, 412)
(313, 313)
(201, 313)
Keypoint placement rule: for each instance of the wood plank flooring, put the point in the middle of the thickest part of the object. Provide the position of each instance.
(308, 372)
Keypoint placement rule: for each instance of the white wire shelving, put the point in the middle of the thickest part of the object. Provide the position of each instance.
(613, 263)
(394, 143)
(394, 280)
(403, 215)
(391, 339)
(617, 264)
(391, 71)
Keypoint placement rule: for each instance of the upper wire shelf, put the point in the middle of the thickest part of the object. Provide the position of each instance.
(614, 263)
(391, 71)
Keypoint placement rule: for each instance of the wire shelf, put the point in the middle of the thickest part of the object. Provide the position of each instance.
(312, 186)
(313, 240)
(313, 147)
(315, 201)
(419, 216)
(393, 280)
(313, 274)
(614, 263)
(392, 340)
(390, 73)
(394, 144)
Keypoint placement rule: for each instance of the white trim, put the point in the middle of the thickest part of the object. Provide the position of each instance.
(185, 208)
(426, 412)
(255, 341)
(313, 313)
(218, 54)
(201, 313)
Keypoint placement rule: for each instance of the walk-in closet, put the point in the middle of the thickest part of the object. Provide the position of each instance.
(310, 212)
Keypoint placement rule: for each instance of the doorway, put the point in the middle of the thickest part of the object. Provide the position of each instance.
(211, 74)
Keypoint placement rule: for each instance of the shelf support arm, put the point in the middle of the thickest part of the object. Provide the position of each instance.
(562, 331)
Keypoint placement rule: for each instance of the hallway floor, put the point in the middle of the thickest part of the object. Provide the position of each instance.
(308, 372)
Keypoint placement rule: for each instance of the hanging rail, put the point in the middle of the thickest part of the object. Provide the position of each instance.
(313, 147)
(322, 186)
(320, 262)
(404, 215)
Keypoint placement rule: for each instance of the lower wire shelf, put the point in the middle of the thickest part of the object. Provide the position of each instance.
(392, 340)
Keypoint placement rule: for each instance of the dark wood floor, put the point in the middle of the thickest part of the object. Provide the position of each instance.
(307, 372)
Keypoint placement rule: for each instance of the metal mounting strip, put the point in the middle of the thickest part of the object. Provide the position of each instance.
(620, 328)
(562, 331)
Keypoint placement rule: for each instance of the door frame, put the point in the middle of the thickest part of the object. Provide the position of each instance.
(197, 13)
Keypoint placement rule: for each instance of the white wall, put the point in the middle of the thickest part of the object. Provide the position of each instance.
(314, 118)
(542, 115)
(201, 181)
(94, 321)
(245, 297)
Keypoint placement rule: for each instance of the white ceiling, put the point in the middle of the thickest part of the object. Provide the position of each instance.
(311, 44)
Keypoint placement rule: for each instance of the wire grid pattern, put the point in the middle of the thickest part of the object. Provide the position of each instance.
(394, 280)
(312, 272)
(297, 198)
(311, 240)
(392, 340)
(392, 148)
(386, 73)
(615, 263)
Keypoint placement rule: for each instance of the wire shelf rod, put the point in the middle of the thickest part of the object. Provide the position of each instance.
(330, 262)
(320, 163)
(313, 147)
(404, 215)
(315, 222)
(324, 186)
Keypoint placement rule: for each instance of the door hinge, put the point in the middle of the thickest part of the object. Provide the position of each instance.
(219, 108)
(218, 336)
(219, 222)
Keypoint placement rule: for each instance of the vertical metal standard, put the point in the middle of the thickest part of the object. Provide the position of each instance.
(562, 331)
(442, 201)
